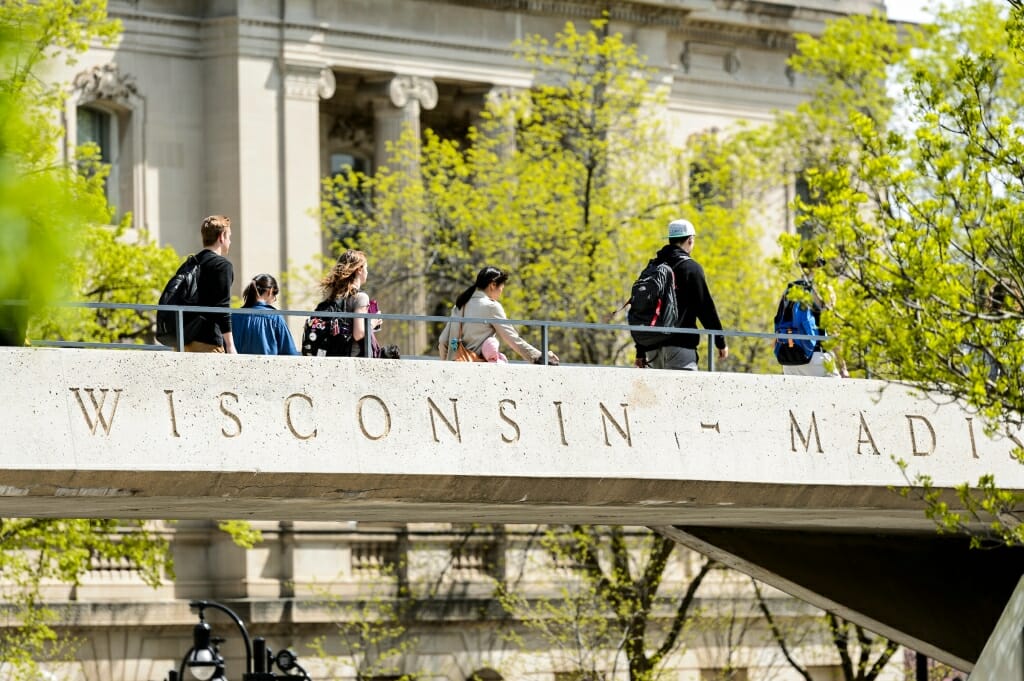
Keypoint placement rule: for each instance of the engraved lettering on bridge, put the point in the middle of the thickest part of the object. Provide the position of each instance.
(288, 415)
(795, 432)
(454, 429)
(915, 418)
(710, 426)
(623, 432)
(507, 419)
(230, 414)
(970, 431)
(174, 419)
(864, 437)
(561, 422)
(97, 408)
(386, 429)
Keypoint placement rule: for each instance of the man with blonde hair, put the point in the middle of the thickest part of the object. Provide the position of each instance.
(216, 275)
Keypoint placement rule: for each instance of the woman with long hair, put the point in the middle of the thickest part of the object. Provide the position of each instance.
(342, 292)
(262, 334)
(481, 300)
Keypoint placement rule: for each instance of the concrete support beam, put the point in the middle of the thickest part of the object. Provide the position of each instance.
(931, 593)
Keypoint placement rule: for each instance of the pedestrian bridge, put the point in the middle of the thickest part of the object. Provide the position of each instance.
(790, 479)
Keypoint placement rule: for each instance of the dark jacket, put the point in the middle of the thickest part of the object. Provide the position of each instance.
(694, 298)
(214, 290)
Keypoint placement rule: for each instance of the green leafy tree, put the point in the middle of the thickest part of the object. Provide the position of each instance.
(35, 551)
(917, 207)
(109, 267)
(372, 635)
(44, 205)
(613, 609)
(569, 184)
(376, 631)
(45, 208)
(56, 241)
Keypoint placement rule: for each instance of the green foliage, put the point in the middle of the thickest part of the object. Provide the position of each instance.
(110, 265)
(241, 532)
(612, 608)
(48, 218)
(44, 206)
(988, 515)
(36, 551)
(569, 184)
(371, 636)
(917, 208)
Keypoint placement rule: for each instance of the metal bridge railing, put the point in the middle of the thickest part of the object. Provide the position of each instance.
(544, 325)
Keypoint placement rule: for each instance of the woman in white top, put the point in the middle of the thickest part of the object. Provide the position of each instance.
(481, 301)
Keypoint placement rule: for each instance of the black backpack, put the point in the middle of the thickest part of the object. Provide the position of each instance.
(182, 289)
(652, 302)
(330, 336)
(793, 317)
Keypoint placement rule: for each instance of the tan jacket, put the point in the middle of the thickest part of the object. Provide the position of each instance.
(474, 334)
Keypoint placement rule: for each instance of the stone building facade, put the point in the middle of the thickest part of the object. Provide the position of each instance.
(240, 107)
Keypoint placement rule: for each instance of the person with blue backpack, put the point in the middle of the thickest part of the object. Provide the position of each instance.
(672, 291)
(799, 313)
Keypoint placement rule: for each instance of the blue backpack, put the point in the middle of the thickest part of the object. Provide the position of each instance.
(795, 317)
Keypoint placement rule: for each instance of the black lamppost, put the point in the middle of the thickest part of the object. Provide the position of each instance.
(205, 663)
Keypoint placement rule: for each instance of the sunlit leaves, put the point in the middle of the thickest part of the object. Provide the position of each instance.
(569, 184)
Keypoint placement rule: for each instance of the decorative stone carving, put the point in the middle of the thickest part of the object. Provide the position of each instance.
(730, 58)
(353, 131)
(105, 82)
(308, 82)
(403, 88)
(327, 84)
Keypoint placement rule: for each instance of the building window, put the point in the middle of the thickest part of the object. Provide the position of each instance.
(105, 108)
(94, 126)
(340, 165)
(343, 163)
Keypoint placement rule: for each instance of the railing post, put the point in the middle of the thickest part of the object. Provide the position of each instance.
(711, 352)
(367, 337)
(544, 344)
(180, 314)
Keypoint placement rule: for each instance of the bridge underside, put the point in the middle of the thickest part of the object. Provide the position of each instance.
(931, 593)
(866, 554)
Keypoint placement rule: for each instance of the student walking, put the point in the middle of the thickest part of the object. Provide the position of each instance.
(694, 301)
(481, 300)
(806, 358)
(212, 332)
(261, 334)
(342, 292)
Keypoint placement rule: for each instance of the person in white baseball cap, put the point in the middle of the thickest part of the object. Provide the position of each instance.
(680, 229)
(679, 351)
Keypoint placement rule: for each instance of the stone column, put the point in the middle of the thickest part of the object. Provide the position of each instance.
(396, 108)
(302, 237)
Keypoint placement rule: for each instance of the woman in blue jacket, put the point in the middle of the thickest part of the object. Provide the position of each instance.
(262, 334)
